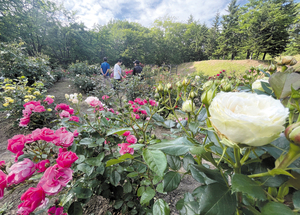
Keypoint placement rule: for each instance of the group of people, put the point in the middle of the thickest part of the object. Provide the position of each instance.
(117, 71)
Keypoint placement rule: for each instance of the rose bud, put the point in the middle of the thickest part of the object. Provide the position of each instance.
(169, 86)
(192, 95)
(188, 106)
(207, 85)
(272, 68)
(179, 85)
(292, 133)
(160, 88)
(208, 95)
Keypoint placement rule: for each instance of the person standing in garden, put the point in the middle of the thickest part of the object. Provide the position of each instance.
(105, 67)
(137, 68)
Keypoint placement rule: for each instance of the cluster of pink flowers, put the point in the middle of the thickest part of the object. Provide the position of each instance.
(30, 107)
(55, 177)
(105, 97)
(56, 211)
(128, 72)
(66, 112)
(131, 139)
(95, 102)
(137, 109)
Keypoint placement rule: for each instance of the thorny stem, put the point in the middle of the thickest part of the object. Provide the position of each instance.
(237, 170)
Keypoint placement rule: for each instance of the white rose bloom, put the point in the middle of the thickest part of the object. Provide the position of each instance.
(257, 84)
(247, 118)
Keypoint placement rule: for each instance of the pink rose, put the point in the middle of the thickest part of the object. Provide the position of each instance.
(36, 134)
(145, 101)
(35, 103)
(93, 101)
(143, 112)
(62, 106)
(55, 179)
(71, 111)
(47, 135)
(137, 116)
(131, 139)
(135, 110)
(64, 138)
(49, 100)
(75, 133)
(61, 150)
(27, 111)
(2, 164)
(56, 211)
(24, 121)
(2, 183)
(31, 199)
(107, 119)
(39, 109)
(29, 138)
(64, 114)
(18, 155)
(16, 143)
(148, 118)
(126, 133)
(105, 97)
(66, 159)
(152, 102)
(131, 102)
(42, 165)
(20, 171)
(74, 118)
(125, 149)
(111, 110)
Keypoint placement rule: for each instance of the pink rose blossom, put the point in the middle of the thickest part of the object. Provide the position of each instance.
(42, 165)
(27, 111)
(125, 149)
(71, 111)
(2, 164)
(131, 102)
(36, 134)
(2, 183)
(152, 102)
(93, 101)
(107, 119)
(18, 155)
(64, 138)
(62, 150)
(20, 171)
(105, 97)
(64, 114)
(55, 179)
(143, 112)
(49, 100)
(62, 106)
(137, 116)
(39, 109)
(126, 133)
(56, 211)
(135, 110)
(74, 118)
(35, 103)
(111, 110)
(31, 199)
(16, 143)
(66, 159)
(47, 135)
(148, 118)
(75, 133)
(24, 121)
(131, 139)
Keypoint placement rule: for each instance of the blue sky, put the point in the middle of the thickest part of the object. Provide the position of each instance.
(92, 12)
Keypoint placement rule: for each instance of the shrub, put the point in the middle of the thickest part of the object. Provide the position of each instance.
(85, 83)
(83, 68)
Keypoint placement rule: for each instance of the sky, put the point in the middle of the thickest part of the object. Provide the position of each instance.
(92, 12)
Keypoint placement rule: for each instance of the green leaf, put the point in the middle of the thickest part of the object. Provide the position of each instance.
(75, 209)
(244, 184)
(160, 188)
(127, 187)
(35, 177)
(132, 174)
(160, 207)
(156, 161)
(202, 115)
(82, 193)
(188, 205)
(175, 147)
(118, 131)
(136, 146)
(125, 156)
(187, 160)
(147, 195)
(170, 123)
(282, 83)
(86, 141)
(205, 175)
(115, 178)
(276, 208)
(197, 150)
(156, 179)
(174, 162)
(66, 198)
(171, 181)
(140, 191)
(217, 199)
(113, 162)
(296, 199)
(193, 126)
(118, 204)
(85, 168)
(95, 161)
(80, 159)
(156, 116)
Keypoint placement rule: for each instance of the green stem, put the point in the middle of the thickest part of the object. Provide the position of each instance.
(246, 156)
(252, 209)
(292, 155)
(180, 123)
(237, 170)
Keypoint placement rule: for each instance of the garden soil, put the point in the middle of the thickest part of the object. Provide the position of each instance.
(97, 205)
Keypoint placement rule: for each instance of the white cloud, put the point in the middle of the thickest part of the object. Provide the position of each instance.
(92, 12)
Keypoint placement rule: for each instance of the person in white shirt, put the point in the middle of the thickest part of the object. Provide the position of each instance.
(118, 71)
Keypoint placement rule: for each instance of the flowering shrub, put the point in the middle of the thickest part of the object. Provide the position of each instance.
(34, 153)
(85, 83)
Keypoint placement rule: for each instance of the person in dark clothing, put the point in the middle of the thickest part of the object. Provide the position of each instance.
(137, 68)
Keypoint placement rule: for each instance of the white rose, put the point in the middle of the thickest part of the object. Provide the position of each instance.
(257, 84)
(247, 118)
